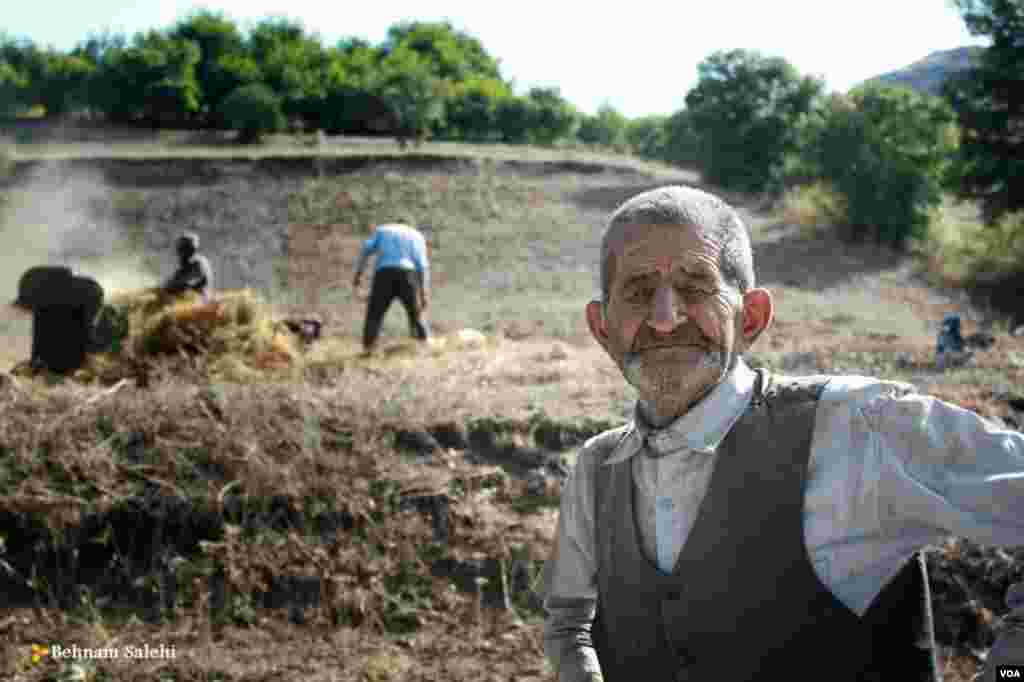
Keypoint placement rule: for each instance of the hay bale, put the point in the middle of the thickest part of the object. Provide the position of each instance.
(236, 333)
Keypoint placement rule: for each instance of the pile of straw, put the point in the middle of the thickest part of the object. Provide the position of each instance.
(233, 337)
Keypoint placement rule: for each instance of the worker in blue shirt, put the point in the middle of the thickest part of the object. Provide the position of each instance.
(401, 271)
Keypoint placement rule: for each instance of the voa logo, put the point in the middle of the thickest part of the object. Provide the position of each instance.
(1009, 672)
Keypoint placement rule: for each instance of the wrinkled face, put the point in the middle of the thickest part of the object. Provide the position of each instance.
(671, 321)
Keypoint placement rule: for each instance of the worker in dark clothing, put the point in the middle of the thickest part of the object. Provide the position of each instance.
(194, 272)
(64, 307)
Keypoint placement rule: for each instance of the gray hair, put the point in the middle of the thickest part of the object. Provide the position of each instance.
(687, 206)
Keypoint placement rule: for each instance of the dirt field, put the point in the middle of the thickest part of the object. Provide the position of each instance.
(514, 247)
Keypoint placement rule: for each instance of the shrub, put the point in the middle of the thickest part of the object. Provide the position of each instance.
(607, 128)
(6, 161)
(974, 250)
(253, 110)
(746, 111)
(648, 136)
(885, 150)
(813, 206)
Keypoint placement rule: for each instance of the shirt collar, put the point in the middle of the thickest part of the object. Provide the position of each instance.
(701, 429)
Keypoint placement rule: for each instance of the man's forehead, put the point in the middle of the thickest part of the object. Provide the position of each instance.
(642, 239)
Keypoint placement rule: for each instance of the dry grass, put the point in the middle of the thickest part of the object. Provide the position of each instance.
(962, 249)
(814, 208)
(259, 436)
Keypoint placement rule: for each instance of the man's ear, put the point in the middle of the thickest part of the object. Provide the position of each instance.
(758, 312)
(596, 322)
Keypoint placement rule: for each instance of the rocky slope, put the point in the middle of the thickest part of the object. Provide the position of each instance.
(928, 74)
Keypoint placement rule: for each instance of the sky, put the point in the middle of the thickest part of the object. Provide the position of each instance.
(639, 57)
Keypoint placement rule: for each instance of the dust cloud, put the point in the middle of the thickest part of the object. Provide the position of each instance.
(61, 217)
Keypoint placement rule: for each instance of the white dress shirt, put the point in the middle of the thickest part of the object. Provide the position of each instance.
(890, 472)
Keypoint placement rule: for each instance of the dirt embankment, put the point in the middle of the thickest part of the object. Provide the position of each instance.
(89, 207)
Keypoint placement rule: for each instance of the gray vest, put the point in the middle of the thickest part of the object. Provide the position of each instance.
(743, 602)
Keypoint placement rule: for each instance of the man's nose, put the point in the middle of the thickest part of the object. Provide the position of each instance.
(666, 315)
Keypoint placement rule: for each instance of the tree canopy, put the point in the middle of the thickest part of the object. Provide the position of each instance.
(989, 104)
(745, 110)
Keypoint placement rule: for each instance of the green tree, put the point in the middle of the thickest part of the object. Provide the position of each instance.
(407, 82)
(62, 86)
(293, 65)
(221, 50)
(607, 127)
(96, 45)
(989, 103)
(12, 88)
(552, 118)
(648, 136)
(472, 109)
(253, 110)
(22, 65)
(233, 71)
(153, 80)
(452, 55)
(745, 111)
(514, 119)
(885, 150)
(682, 143)
(354, 64)
(352, 103)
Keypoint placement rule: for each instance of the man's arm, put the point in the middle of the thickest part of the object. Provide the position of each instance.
(205, 272)
(369, 247)
(423, 267)
(953, 470)
(570, 580)
(948, 468)
(189, 276)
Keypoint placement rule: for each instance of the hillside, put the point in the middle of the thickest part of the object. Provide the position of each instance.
(343, 518)
(927, 75)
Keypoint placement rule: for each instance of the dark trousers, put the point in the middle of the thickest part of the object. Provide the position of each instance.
(388, 284)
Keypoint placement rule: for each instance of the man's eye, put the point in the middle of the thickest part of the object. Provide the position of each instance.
(639, 294)
(693, 291)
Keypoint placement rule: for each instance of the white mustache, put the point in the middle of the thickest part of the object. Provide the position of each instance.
(636, 374)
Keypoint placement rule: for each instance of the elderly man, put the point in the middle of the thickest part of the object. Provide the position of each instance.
(402, 271)
(748, 526)
(194, 272)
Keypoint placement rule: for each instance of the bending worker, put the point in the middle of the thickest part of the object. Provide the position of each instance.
(401, 271)
(64, 307)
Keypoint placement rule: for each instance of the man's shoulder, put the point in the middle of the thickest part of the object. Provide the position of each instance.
(861, 390)
(200, 262)
(795, 388)
(397, 229)
(837, 388)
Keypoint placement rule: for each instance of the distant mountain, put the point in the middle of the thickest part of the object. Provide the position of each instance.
(928, 74)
